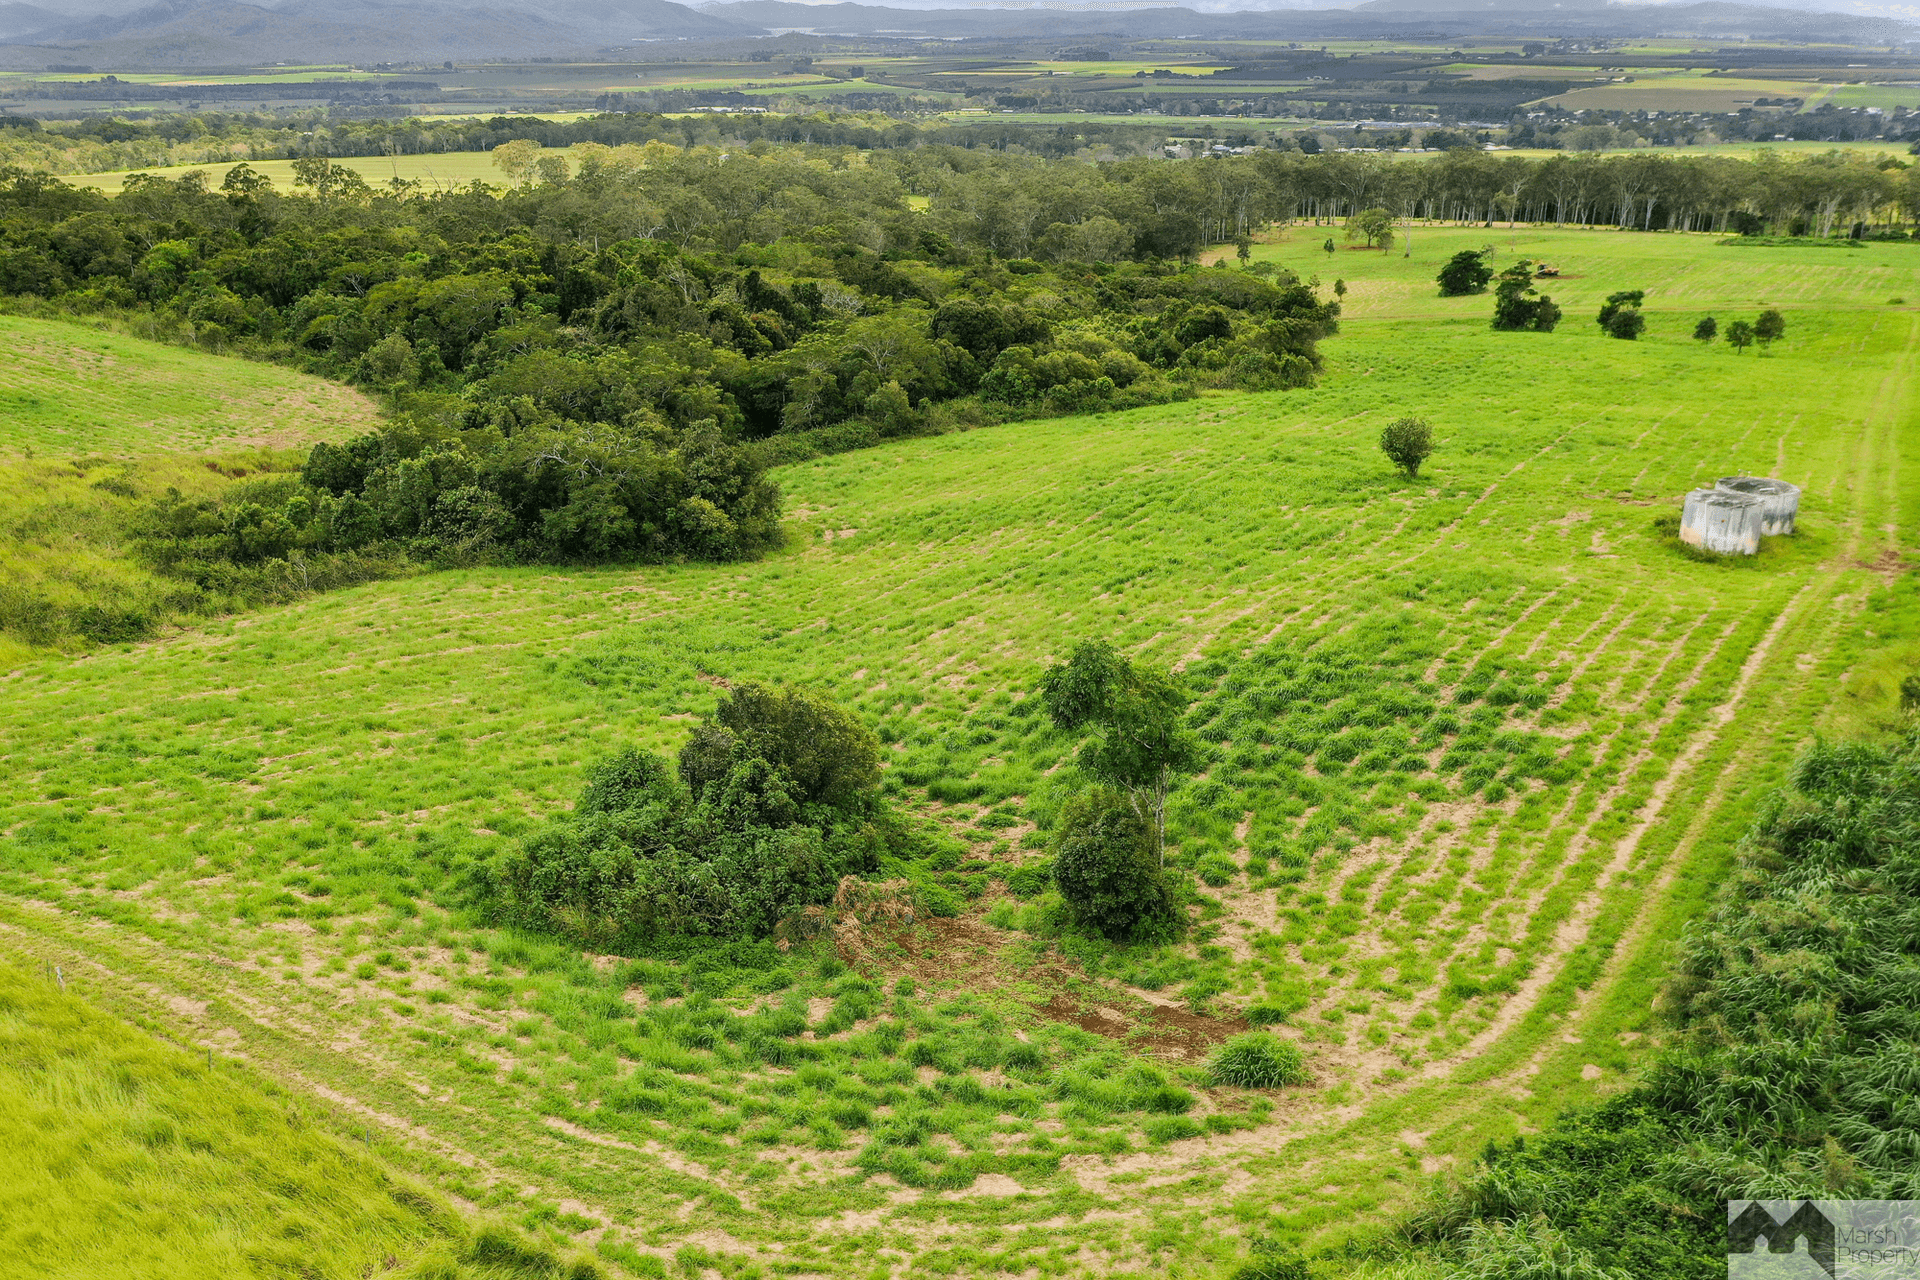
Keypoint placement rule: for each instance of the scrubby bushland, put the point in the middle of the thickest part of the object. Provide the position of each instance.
(772, 802)
(1792, 1072)
(1107, 869)
(636, 490)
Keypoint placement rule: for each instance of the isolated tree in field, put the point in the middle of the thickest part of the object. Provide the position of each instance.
(1374, 226)
(1627, 323)
(1339, 288)
(1466, 272)
(1618, 302)
(1770, 327)
(1739, 335)
(1329, 247)
(1707, 330)
(1107, 870)
(1407, 442)
(1517, 305)
(1134, 715)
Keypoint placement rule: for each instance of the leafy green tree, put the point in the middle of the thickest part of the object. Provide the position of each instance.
(1466, 272)
(1616, 302)
(1135, 715)
(1243, 247)
(1740, 335)
(1339, 288)
(1707, 330)
(1407, 442)
(1627, 324)
(890, 411)
(1373, 226)
(1517, 305)
(1105, 867)
(772, 804)
(1329, 247)
(1770, 327)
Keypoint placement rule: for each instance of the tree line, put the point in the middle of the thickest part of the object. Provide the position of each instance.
(600, 362)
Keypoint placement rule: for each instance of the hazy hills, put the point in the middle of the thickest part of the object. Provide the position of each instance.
(229, 33)
(188, 33)
(1713, 18)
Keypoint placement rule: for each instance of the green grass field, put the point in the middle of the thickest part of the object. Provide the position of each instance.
(1480, 743)
(444, 171)
(150, 1159)
(93, 422)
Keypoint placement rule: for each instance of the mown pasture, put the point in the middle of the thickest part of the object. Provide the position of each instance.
(1479, 743)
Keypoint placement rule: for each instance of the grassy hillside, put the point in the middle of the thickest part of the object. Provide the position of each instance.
(94, 421)
(1480, 744)
(134, 1157)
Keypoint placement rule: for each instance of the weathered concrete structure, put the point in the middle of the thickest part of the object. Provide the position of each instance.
(1782, 501)
(1722, 521)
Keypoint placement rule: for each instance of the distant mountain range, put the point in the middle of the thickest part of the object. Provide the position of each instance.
(1042, 19)
(190, 33)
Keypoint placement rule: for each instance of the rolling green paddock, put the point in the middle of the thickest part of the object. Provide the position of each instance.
(91, 423)
(132, 1157)
(1479, 742)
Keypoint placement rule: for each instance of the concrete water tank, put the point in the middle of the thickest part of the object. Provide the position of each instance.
(1722, 521)
(1782, 501)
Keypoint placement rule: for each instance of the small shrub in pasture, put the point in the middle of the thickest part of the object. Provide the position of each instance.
(1740, 335)
(1257, 1060)
(1627, 324)
(1407, 442)
(1706, 331)
(1769, 328)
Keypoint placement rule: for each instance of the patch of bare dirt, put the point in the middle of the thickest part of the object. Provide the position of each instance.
(1156, 1028)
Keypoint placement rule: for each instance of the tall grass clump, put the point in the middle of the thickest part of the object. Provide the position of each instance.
(1257, 1060)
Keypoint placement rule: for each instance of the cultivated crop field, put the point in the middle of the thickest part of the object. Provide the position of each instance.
(1478, 746)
